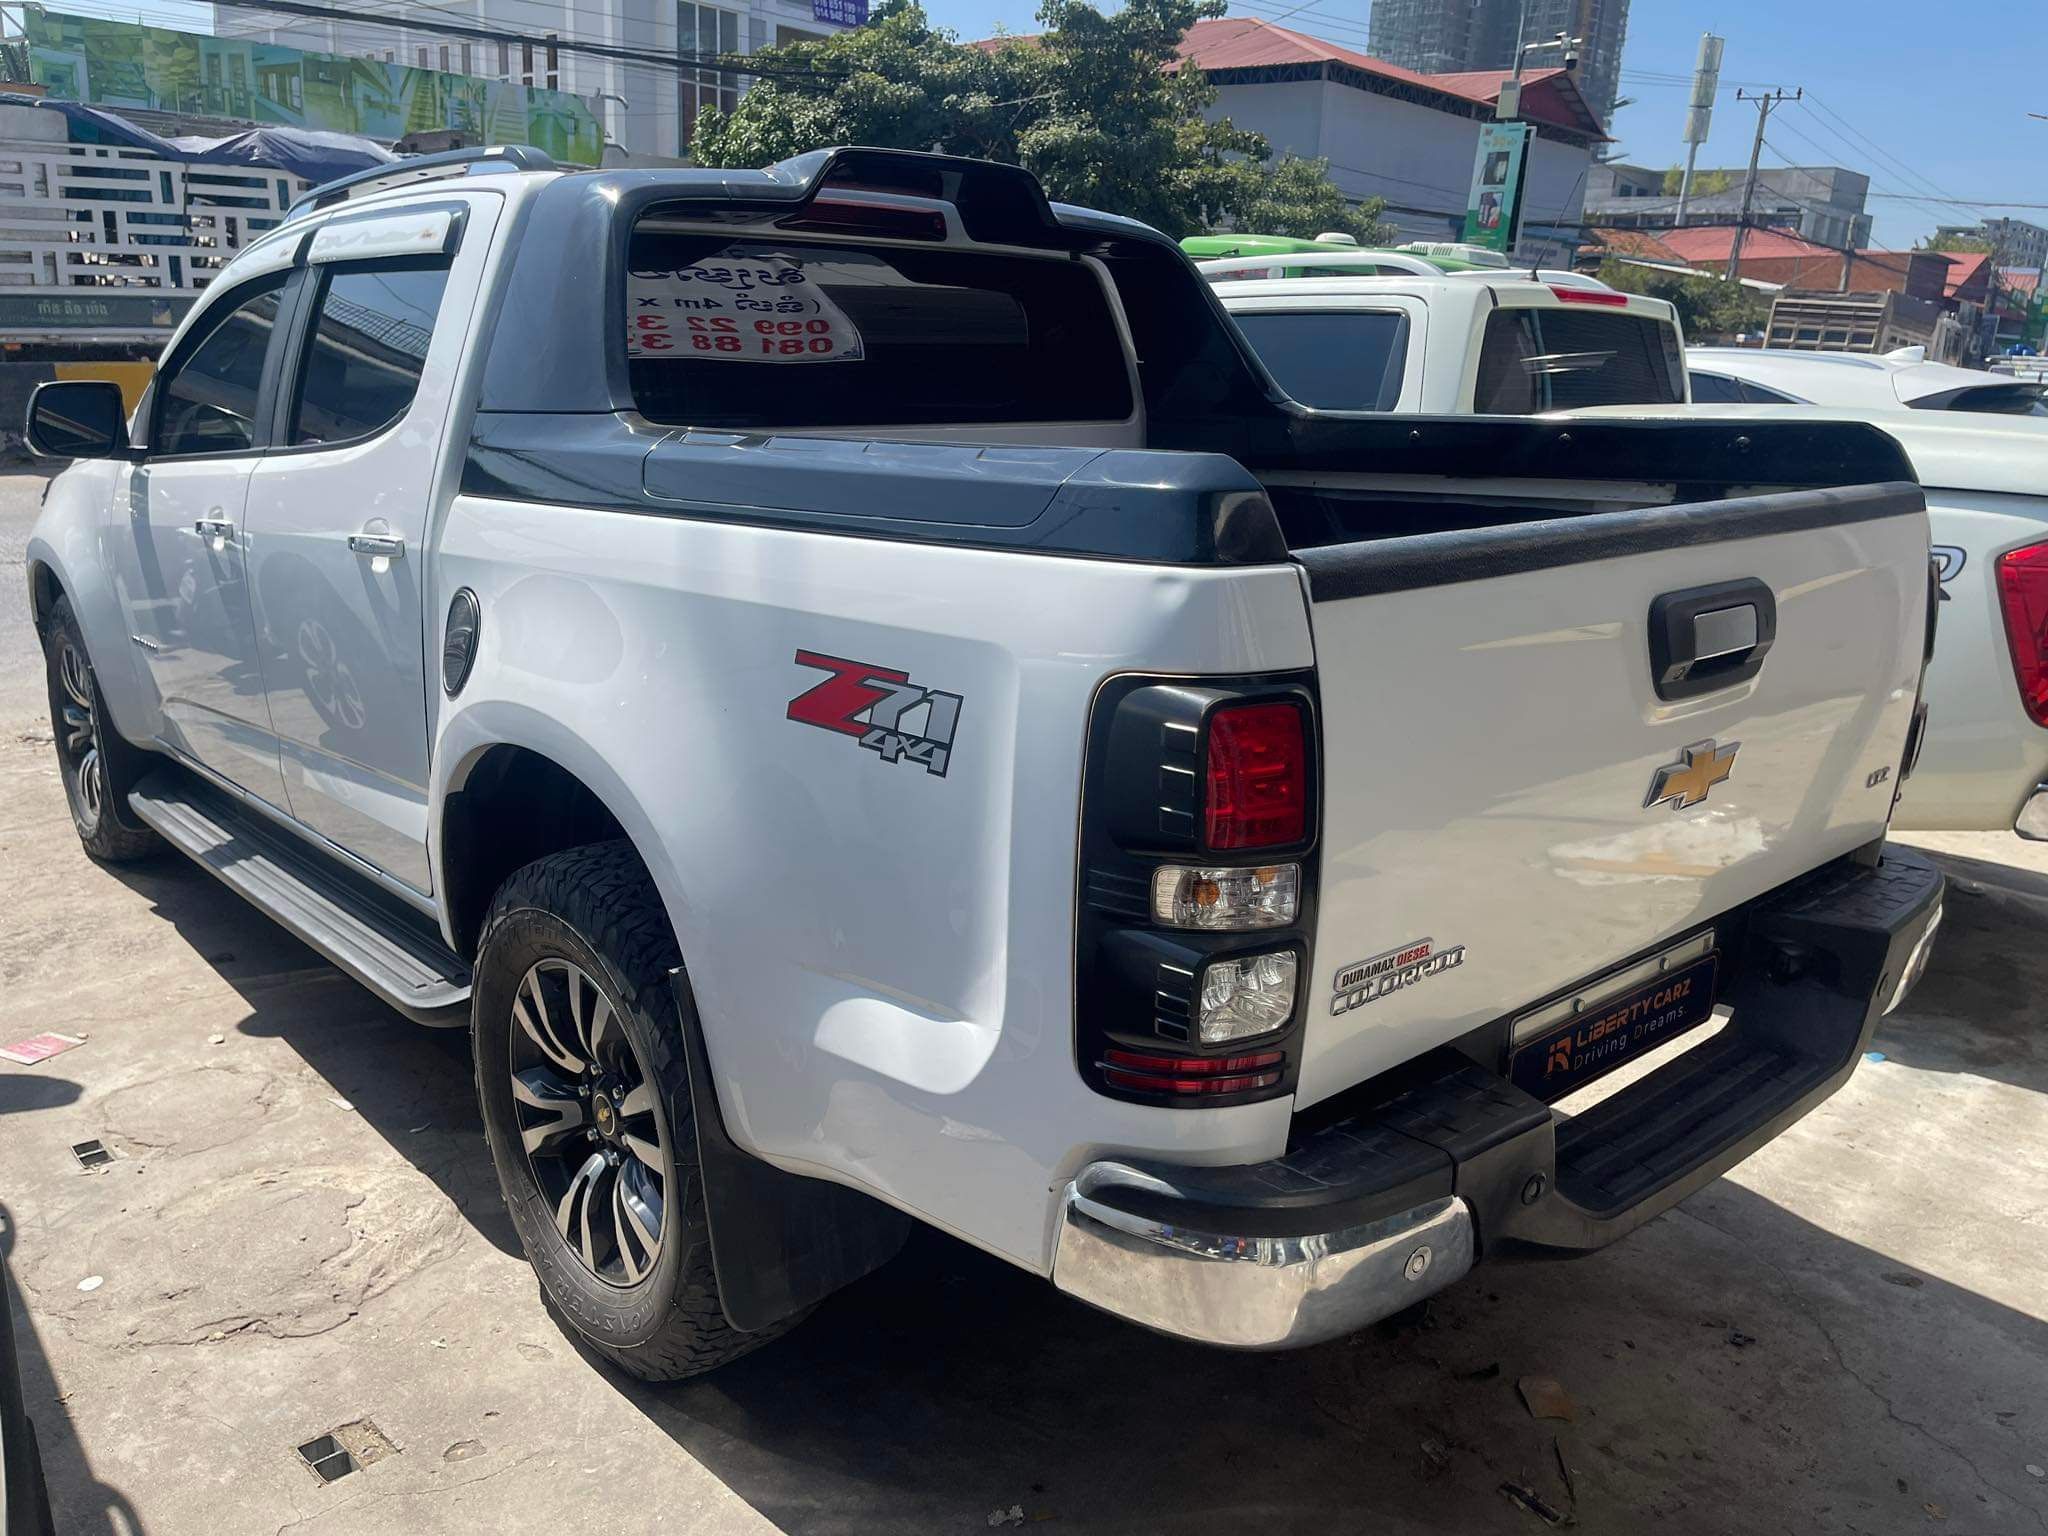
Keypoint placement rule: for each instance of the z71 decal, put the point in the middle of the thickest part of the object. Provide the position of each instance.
(893, 717)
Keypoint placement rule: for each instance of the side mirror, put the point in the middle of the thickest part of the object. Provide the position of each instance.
(78, 419)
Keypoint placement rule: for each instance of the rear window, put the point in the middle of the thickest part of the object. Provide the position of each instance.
(1349, 361)
(2017, 399)
(1560, 359)
(762, 332)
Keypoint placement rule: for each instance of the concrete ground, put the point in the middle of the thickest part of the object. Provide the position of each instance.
(300, 1233)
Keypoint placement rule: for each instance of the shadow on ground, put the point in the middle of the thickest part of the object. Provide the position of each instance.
(1983, 984)
(1735, 1367)
(102, 1506)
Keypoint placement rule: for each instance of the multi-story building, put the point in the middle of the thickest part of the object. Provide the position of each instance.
(1448, 36)
(1821, 203)
(2015, 242)
(647, 106)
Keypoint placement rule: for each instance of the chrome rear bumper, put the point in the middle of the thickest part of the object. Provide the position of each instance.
(2032, 821)
(1245, 1291)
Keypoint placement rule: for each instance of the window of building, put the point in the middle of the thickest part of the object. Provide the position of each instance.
(367, 350)
(444, 58)
(526, 63)
(504, 61)
(705, 32)
(761, 333)
(207, 400)
(423, 56)
(466, 69)
(1351, 361)
(784, 36)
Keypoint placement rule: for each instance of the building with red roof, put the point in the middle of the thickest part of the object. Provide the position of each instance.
(1395, 134)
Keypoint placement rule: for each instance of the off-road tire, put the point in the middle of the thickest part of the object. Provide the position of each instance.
(596, 908)
(98, 766)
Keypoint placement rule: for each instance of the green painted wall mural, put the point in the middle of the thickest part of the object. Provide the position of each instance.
(118, 64)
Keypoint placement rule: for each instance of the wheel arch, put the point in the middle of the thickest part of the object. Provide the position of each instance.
(519, 787)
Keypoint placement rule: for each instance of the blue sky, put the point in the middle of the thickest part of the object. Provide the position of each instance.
(1929, 103)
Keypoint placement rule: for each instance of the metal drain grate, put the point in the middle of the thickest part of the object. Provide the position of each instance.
(328, 1457)
(91, 1154)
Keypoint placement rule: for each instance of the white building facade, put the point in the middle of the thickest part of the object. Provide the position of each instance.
(647, 105)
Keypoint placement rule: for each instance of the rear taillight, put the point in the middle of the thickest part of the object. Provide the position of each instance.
(2023, 595)
(1197, 895)
(1256, 779)
(1191, 1076)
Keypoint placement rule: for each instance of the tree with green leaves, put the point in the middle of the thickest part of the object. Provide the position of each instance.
(1100, 108)
(1709, 307)
(1960, 245)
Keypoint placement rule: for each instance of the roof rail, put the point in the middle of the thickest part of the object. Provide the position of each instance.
(451, 162)
(1319, 263)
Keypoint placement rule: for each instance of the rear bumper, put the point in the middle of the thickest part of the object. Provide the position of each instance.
(2032, 821)
(1448, 1162)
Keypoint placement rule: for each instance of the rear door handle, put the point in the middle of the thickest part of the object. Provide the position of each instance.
(378, 545)
(217, 531)
(1705, 638)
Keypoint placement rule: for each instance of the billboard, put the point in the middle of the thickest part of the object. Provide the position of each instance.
(1493, 210)
(119, 64)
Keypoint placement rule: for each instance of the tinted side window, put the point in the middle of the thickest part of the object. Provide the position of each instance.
(206, 400)
(1715, 389)
(1561, 359)
(765, 332)
(366, 350)
(1334, 362)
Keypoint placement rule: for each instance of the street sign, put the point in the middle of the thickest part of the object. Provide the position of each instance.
(1493, 211)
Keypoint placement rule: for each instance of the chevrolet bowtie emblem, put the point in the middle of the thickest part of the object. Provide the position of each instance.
(1687, 781)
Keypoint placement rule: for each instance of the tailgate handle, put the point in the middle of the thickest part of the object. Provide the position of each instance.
(1705, 638)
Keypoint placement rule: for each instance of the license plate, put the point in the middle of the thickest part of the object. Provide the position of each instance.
(1617, 1031)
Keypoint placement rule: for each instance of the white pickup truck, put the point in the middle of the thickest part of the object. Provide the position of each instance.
(858, 690)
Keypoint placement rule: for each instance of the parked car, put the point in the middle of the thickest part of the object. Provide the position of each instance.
(1487, 341)
(1894, 380)
(862, 694)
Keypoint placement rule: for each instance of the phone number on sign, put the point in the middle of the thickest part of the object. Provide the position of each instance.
(721, 334)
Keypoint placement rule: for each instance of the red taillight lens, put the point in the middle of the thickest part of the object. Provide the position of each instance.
(2023, 594)
(1208, 1075)
(1590, 296)
(1258, 777)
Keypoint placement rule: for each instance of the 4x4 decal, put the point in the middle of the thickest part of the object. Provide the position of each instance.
(891, 715)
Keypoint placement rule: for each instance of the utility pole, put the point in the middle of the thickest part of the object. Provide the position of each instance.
(1764, 100)
(1706, 80)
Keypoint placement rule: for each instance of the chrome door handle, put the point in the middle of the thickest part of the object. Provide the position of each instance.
(380, 545)
(217, 531)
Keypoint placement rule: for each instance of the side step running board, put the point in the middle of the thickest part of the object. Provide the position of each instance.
(373, 938)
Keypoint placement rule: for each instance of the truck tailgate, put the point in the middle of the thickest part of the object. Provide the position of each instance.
(1494, 737)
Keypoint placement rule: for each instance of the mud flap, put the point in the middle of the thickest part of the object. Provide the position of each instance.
(780, 1242)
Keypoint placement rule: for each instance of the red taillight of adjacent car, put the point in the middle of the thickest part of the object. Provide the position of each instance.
(1191, 1076)
(2023, 595)
(1256, 789)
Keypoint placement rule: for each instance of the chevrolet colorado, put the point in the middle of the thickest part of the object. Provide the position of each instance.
(861, 693)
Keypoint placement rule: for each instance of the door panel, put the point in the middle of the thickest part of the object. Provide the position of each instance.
(184, 574)
(338, 517)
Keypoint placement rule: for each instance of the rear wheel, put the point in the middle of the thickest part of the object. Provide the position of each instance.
(98, 767)
(584, 1083)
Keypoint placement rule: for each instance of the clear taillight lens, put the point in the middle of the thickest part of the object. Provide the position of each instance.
(1226, 899)
(1245, 997)
(2023, 595)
